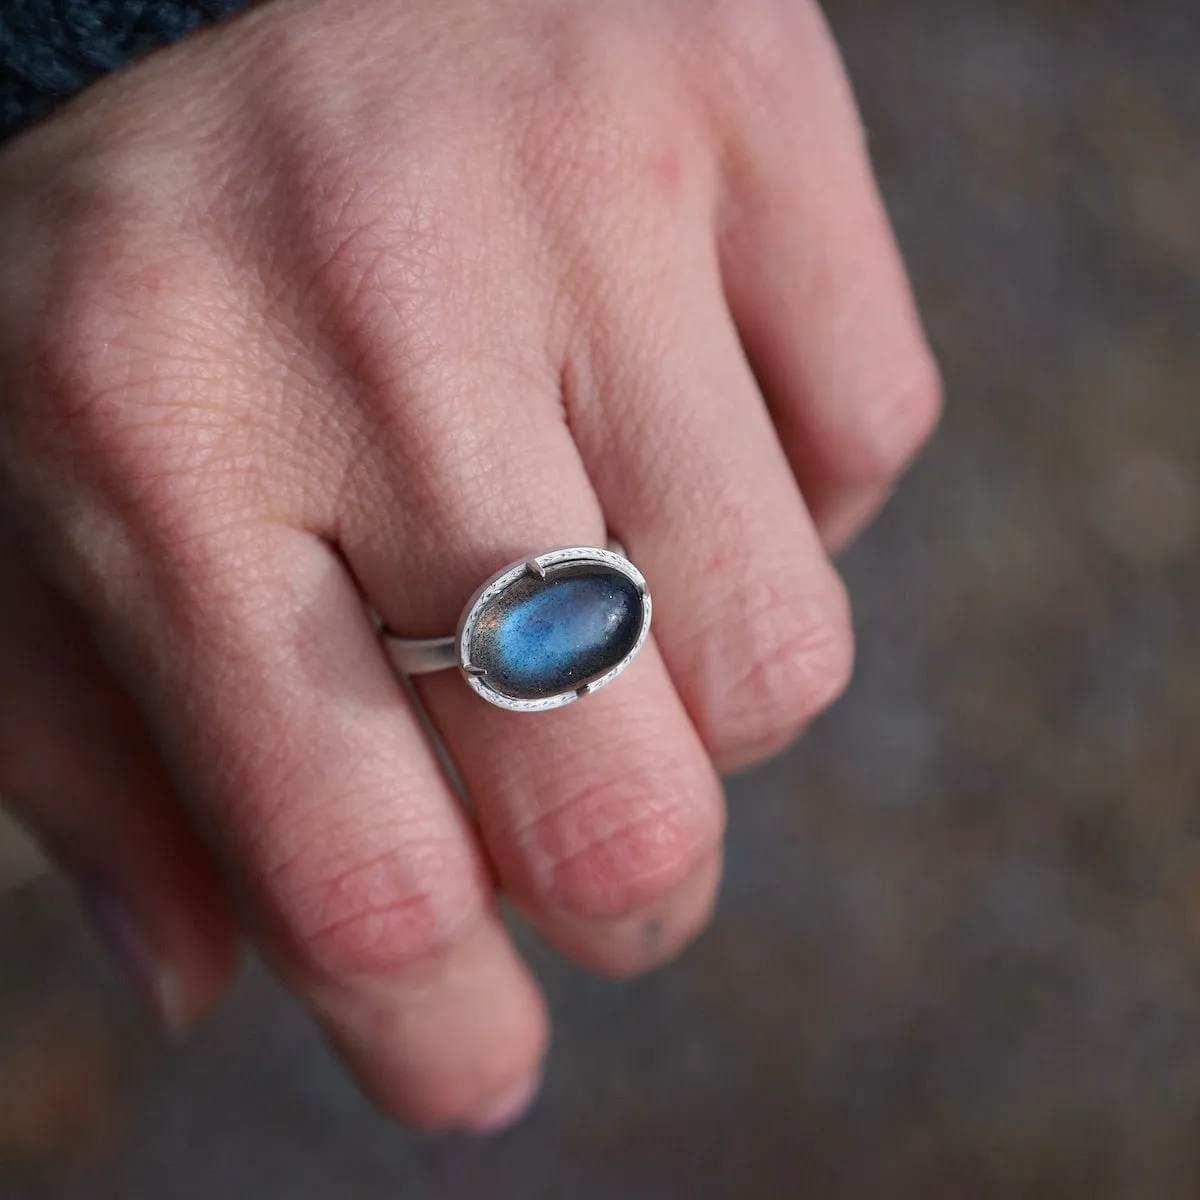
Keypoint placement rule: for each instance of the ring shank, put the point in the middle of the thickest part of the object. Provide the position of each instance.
(421, 656)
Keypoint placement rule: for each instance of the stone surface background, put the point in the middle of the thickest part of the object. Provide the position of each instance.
(957, 954)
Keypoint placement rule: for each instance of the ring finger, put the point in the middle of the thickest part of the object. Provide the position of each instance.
(603, 819)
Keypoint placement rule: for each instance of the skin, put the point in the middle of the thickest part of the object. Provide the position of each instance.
(357, 302)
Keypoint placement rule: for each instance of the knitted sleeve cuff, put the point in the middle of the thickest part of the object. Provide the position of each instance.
(52, 49)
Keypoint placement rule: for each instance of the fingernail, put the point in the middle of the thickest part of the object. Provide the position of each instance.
(153, 977)
(507, 1111)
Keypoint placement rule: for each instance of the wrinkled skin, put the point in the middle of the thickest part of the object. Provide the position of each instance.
(357, 302)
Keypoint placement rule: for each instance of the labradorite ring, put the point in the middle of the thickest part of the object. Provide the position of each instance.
(544, 631)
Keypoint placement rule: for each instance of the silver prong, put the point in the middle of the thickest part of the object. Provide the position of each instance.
(535, 568)
(582, 690)
(472, 669)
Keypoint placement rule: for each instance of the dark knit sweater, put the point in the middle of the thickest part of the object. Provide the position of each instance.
(51, 49)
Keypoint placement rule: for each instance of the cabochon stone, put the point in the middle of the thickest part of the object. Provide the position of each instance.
(540, 638)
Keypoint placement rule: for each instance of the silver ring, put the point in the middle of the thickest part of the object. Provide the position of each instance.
(542, 632)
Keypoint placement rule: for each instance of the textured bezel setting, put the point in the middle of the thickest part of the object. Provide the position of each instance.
(551, 628)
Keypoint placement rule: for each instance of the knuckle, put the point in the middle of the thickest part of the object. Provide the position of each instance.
(69, 359)
(384, 253)
(746, 29)
(794, 658)
(622, 843)
(751, 47)
(888, 429)
(102, 356)
(609, 119)
(130, 418)
(343, 914)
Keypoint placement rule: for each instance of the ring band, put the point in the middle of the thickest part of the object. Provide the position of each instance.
(544, 631)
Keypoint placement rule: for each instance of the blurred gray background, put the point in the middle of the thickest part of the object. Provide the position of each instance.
(957, 955)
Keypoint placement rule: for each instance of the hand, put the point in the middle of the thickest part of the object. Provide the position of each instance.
(358, 302)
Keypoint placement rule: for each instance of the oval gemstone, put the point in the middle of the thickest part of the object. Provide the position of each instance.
(542, 637)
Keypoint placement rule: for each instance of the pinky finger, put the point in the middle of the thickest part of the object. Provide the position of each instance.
(818, 290)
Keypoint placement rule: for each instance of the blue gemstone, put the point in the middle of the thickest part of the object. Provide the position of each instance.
(542, 637)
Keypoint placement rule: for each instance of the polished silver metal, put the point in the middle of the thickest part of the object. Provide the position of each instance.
(421, 656)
